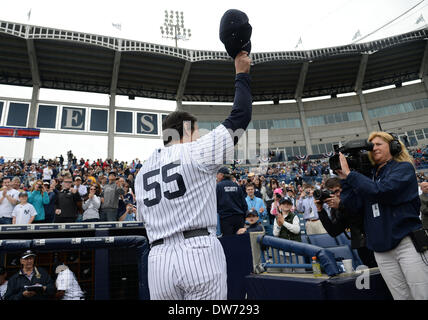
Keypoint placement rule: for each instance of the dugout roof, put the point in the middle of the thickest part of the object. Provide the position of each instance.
(70, 60)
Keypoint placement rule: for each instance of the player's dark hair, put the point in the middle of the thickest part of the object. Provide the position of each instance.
(175, 120)
(248, 185)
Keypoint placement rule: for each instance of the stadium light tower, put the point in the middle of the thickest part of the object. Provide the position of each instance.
(174, 28)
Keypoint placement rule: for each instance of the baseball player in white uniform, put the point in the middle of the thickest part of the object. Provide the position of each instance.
(176, 196)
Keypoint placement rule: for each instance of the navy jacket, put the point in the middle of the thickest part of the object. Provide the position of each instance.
(240, 116)
(230, 199)
(395, 191)
(16, 283)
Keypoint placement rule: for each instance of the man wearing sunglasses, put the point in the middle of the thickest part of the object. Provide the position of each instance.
(66, 202)
(341, 219)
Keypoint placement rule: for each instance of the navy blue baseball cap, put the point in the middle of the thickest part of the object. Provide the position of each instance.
(251, 213)
(224, 170)
(285, 200)
(235, 32)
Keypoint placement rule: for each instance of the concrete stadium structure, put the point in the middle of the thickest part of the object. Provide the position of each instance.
(322, 136)
(41, 57)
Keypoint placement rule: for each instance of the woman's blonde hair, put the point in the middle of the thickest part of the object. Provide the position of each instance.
(33, 187)
(403, 156)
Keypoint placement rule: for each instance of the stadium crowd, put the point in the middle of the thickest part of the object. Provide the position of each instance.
(55, 190)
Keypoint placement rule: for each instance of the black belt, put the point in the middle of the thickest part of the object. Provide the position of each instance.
(187, 234)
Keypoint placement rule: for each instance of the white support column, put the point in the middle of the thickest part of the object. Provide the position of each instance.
(112, 104)
(182, 85)
(423, 71)
(365, 112)
(358, 89)
(298, 97)
(29, 143)
(32, 57)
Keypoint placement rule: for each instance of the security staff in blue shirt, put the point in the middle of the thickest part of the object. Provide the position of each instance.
(391, 215)
(231, 205)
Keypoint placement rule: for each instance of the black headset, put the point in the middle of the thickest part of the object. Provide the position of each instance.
(394, 145)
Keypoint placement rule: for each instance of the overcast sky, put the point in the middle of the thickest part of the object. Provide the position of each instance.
(277, 26)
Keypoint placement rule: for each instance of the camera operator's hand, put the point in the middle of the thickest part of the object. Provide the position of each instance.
(333, 202)
(318, 204)
(344, 164)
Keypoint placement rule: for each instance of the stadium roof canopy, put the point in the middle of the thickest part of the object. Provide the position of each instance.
(70, 60)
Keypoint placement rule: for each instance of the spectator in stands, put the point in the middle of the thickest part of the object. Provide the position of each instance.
(275, 205)
(30, 275)
(125, 198)
(50, 207)
(286, 224)
(231, 204)
(131, 182)
(130, 213)
(3, 282)
(252, 223)
(341, 219)
(47, 173)
(24, 212)
(16, 184)
(92, 205)
(66, 284)
(391, 205)
(306, 205)
(8, 200)
(102, 179)
(38, 197)
(424, 204)
(253, 202)
(83, 190)
(258, 185)
(66, 202)
(110, 198)
(269, 197)
(325, 171)
(290, 192)
(298, 180)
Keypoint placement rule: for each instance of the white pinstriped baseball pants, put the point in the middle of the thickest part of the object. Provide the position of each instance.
(188, 269)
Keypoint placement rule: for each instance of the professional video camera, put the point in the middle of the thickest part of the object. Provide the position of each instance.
(322, 194)
(356, 155)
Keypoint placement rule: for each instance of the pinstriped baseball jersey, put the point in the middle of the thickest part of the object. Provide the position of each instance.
(176, 186)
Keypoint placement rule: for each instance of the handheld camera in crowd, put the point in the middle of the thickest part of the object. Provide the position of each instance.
(322, 194)
(356, 154)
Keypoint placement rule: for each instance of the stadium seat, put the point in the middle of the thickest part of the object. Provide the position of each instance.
(343, 240)
(305, 238)
(302, 224)
(323, 240)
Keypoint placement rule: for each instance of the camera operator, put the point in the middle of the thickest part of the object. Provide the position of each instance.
(391, 204)
(341, 219)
